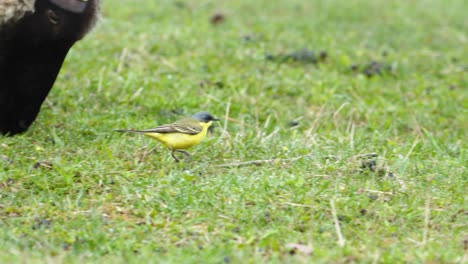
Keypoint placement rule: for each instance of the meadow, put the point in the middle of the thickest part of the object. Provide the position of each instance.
(343, 137)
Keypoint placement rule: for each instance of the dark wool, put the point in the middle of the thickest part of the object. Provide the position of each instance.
(32, 50)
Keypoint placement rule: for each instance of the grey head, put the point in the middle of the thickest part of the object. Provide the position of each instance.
(204, 117)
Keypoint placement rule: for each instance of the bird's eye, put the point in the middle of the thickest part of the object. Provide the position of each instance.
(53, 17)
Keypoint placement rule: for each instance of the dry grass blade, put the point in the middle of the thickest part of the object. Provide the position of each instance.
(341, 240)
(261, 162)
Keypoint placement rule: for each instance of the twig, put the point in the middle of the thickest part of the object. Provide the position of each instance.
(351, 136)
(341, 240)
(260, 162)
(240, 122)
(427, 217)
(415, 143)
(167, 63)
(376, 258)
(225, 217)
(123, 56)
(297, 205)
(226, 117)
(375, 191)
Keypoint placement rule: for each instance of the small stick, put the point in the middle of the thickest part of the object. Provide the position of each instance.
(376, 258)
(123, 56)
(297, 205)
(260, 162)
(237, 121)
(226, 116)
(427, 217)
(341, 240)
(415, 143)
(375, 191)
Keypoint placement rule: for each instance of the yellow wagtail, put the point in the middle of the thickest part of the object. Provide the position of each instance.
(182, 134)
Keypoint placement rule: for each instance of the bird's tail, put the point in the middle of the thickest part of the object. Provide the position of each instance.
(128, 130)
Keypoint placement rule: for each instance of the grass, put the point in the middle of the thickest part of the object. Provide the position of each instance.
(380, 161)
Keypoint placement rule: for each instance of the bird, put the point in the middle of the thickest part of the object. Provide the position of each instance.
(182, 134)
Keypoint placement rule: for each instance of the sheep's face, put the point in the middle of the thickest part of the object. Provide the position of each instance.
(32, 50)
(51, 22)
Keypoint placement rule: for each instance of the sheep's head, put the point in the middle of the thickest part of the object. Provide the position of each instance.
(72, 19)
(34, 40)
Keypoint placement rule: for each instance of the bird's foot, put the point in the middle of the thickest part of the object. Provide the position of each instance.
(186, 154)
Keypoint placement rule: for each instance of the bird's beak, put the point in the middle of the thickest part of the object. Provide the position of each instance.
(216, 119)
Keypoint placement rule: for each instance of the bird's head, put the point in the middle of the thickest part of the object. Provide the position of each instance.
(204, 117)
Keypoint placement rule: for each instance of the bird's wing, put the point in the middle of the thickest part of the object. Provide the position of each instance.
(186, 126)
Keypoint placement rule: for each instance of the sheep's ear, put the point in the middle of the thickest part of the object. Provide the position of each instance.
(75, 6)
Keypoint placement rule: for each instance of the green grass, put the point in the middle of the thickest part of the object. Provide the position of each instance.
(72, 190)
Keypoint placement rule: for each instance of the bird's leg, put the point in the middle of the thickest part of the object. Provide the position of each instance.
(185, 153)
(173, 155)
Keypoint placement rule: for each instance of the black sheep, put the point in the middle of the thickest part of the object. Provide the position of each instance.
(35, 36)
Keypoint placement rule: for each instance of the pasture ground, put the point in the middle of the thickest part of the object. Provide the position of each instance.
(359, 169)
